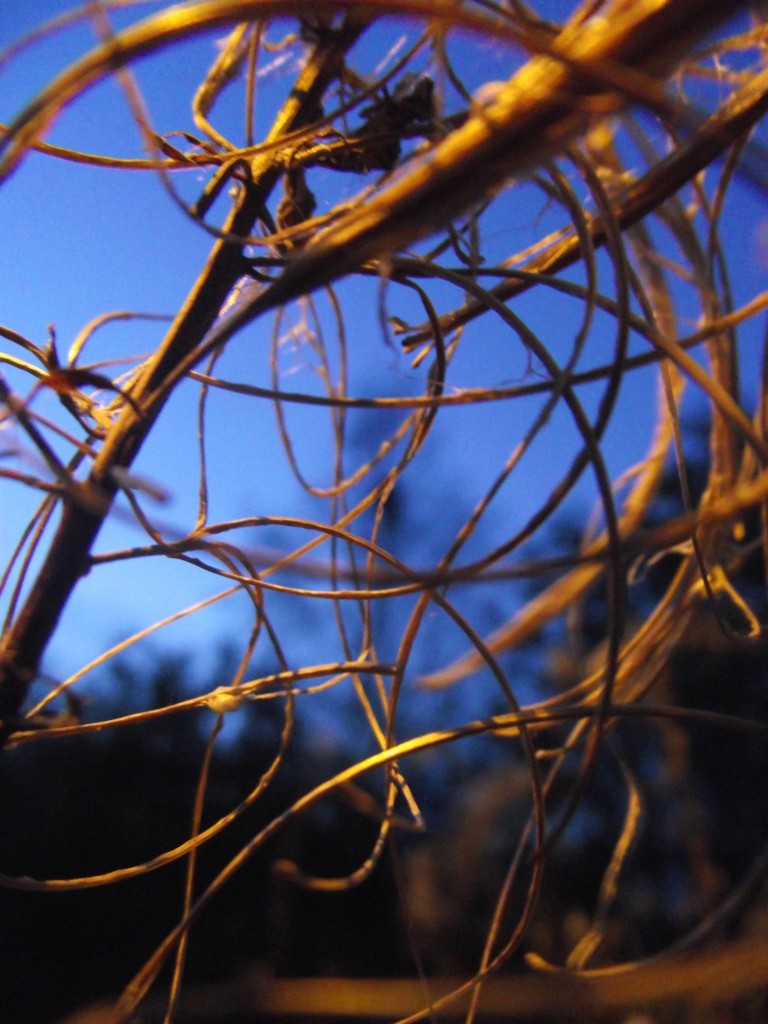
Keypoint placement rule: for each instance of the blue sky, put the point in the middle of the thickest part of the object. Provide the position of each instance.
(80, 241)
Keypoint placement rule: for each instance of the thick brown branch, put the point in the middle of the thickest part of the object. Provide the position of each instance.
(710, 141)
(548, 102)
(67, 559)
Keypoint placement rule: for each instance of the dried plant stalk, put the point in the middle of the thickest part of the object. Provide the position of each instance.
(433, 162)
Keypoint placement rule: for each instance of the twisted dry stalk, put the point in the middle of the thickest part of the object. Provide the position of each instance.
(598, 65)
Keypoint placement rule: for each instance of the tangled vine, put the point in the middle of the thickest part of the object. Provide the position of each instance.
(510, 252)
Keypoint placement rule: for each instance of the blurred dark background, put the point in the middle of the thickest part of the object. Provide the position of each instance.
(91, 804)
